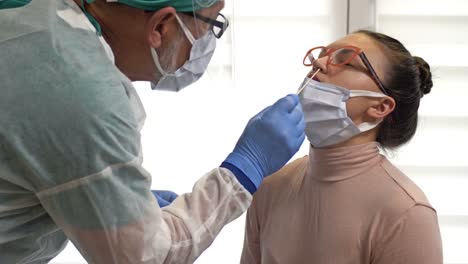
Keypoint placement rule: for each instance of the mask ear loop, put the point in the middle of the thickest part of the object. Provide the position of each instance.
(363, 93)
(154, 53)
(155, 56)
(303, 86)
(187, 32)
(366, 126)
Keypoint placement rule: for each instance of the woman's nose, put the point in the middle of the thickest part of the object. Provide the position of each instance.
(321, 63)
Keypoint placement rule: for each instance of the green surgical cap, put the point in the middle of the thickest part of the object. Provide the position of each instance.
(179, 5)
(5, 4)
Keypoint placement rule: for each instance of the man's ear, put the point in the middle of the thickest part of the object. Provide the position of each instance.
(381, 108)
(158, 25)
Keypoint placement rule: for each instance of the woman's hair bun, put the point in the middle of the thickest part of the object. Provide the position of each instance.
(425, 75)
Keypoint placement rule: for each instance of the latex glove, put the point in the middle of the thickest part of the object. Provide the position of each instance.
(164, 198)
(269, 140)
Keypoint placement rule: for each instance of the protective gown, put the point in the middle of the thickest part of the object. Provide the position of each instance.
(71, 156)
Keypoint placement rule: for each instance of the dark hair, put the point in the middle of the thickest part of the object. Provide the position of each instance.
(407, 80)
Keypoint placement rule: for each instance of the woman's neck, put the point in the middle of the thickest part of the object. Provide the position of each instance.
(363, 138)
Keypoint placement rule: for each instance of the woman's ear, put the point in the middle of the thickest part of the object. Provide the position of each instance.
(158, 25)
(381, 108)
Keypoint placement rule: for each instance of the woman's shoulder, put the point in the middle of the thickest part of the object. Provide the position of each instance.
(288, 172)
(288, 178)
(402, 193)
(278, 188)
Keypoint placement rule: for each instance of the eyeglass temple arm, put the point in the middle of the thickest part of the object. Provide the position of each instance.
(373, 73)
(210, 21)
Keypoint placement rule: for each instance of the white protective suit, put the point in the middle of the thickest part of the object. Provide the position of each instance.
(71, 155)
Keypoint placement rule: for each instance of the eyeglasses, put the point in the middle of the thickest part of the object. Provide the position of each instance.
(341, 57)
(218, 25)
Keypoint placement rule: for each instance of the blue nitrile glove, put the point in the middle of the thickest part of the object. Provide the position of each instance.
(164, 198)
(269, 140)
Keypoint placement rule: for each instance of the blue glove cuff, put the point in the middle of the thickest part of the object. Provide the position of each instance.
(162, 203)
(241, 177)
(246, 167)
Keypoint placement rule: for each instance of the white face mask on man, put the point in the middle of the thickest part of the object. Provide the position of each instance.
(200, 56)
(325, 115)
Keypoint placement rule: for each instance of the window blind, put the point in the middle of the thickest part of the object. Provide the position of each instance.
(436, 158)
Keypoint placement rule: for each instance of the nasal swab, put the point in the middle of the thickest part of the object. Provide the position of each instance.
(303, 86)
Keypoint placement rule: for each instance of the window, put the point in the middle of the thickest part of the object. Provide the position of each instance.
(436, 158)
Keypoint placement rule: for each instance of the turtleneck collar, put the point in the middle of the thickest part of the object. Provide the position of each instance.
(342, 163)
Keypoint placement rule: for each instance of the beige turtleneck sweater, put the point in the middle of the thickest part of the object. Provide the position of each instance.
(346, 205)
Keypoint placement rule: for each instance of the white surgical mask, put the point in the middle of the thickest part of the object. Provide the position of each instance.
(200, 56)
(325, 115)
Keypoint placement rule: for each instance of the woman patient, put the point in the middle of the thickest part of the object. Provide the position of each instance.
(344, 202)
